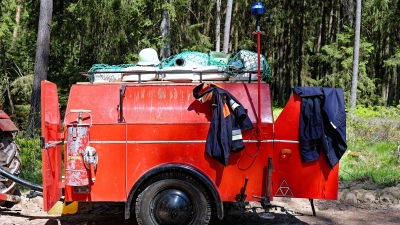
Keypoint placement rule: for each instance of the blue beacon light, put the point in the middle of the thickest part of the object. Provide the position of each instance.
(258, 10)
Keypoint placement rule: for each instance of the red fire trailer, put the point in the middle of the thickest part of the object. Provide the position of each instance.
(144, 144)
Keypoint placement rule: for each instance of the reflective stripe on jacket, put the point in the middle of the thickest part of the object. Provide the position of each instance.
(228, 121)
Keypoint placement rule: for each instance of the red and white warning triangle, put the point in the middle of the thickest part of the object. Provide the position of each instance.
(284, 190)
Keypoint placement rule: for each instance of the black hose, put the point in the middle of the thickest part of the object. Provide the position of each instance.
(20, 181)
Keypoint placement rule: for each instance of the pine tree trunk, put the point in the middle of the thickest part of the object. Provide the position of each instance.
(235, 32)
(41, 65)
(288, 62)
(324, 67)
(282, 57)
(17, 19)
(335, 36)
(392, 86)
(350, 12)
(218, 27)
(354, 79)
(300, 44)
(385, 71)
(321, 41)
(227, 26)
(397, 95)
(330, 29)
(165, 33)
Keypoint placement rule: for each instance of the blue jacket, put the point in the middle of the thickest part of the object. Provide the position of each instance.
(322, 123)
(228, 121)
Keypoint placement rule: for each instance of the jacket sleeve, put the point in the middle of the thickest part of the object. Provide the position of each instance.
(240, 114)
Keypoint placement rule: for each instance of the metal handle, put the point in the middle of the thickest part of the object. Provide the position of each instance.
(80, 111)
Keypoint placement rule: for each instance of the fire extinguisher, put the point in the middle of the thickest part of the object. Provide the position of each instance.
(80, 156)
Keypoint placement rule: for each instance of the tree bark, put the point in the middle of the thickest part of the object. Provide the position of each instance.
(330, 27)
(17, 19)
(385, 70)
(288, 62)
(41, 65)
(321, 42)
(218, 27)
(227, 26)
(350, 12)
(324, 66)
(165, 33)
(354, 79)
(282, 57)
(392, 85)
(235, 32)
(300, 44)
(397, 95)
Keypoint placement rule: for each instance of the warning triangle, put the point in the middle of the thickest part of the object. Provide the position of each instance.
(284, 190)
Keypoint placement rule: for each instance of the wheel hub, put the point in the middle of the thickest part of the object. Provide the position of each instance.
(172, 207)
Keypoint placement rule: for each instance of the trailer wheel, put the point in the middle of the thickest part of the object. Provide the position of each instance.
(173, 201)
(11, 162)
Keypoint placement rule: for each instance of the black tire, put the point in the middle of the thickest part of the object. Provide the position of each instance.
(173, 199)
(9, 150)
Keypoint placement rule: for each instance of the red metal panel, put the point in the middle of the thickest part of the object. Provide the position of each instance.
(156, 103)
(3, 115)
(51, 157)
(165, 124)
(110, 144)
(7, 124)
(292, 177)
(106, 136)
(110, 176)
(102, 100)
(249, 163)
(175, 103)
(168, 124)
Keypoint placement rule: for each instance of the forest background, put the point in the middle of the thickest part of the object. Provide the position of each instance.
(306, 42)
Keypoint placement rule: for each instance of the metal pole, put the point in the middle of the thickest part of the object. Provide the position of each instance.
(259, 83)
(268, 194)
(258, 33)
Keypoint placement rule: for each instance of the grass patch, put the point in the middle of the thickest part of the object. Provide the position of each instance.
(375, 160)
(31, 156)
(276, 110)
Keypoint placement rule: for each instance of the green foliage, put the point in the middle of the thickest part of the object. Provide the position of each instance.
(394, 60)
(21, 89)
(31, 156)
(376, 160)
(376, 111)
(7, 13)
(339, 55)
(376, 123)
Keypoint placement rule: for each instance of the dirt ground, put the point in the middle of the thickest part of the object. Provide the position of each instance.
(297, 211)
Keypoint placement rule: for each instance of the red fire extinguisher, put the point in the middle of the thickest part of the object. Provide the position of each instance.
(78, 138)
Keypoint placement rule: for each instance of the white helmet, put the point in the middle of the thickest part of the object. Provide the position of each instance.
(148, 57)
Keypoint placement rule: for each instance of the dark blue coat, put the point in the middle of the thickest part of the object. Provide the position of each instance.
(225, 133)
(322, 123)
